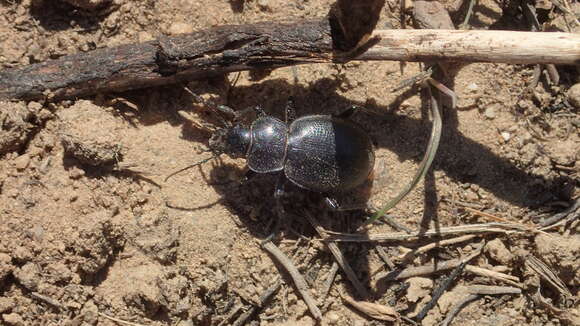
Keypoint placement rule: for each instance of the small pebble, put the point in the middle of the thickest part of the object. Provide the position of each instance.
(179, 28)
(489, 113)
(21, 163)
(264, 4)
(13, 319)
(332, 318)
(6, 304)
(574, 96)
(472, 87)
(506, 135)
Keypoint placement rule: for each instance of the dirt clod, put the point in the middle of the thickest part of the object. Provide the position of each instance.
(574, 96)
(15, 126)
(563, 253)
(498, 251)
(13, 319)
(96, 147)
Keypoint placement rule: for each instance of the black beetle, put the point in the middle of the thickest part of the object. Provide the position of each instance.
(321, 153)
(327, 154)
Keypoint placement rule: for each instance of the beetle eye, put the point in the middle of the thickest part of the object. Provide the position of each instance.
(237, 141)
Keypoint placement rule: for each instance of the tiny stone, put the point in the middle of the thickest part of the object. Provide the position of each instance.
(332, 318)
(506, 135)
(22, 254)
(6, 304)
(144, 37)
(179, 28)
(264, 4)
(76, 173)
(472, 87)
(574, 96)
(489, 113)
(22, 162)
(13, 319)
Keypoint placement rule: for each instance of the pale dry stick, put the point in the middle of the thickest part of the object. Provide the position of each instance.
(48, 300)
(510, 279)
(475, 46)
(342, 262)
(440, 243)
(457, 308)
(372, 310)
(426, 269)
(298, 279)
(485, 228)
(120, 321)
(330, 279)
(492, 289)
(493, 217)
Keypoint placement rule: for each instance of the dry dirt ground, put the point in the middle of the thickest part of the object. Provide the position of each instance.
(89, 229)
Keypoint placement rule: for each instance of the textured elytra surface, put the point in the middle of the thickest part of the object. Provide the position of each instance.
(98, 239)
(328, 154)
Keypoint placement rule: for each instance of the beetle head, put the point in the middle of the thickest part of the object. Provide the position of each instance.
(233, 141)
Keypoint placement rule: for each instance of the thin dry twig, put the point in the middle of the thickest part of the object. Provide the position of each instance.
(381, 252)
(270, 291)
(570, 211)
(510, 279)
(484, 228)
(232, 313)
(342, 262)
(492, 289)
(120, 321)
(298, 279)
(437, 293)
(457, 308)
(329, 279)
(465, 24)
(423, 167)
(372, 310)
(426, 269)
(48, 300)
(440, 243)
(547, 274)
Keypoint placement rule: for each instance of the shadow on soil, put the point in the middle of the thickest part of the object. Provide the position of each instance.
(461, 158)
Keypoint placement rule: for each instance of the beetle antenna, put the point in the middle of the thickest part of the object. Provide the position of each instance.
(192, 166)
(219, 108)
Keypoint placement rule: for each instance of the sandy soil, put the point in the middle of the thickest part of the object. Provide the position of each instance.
(89, 229)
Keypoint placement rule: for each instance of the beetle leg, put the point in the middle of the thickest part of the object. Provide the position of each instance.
(280, 212)
(347, 113)
(290, 111)
(260, 111)
(333, 204)
(247, 176)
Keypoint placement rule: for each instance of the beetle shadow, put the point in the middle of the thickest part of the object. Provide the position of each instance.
(58, 15)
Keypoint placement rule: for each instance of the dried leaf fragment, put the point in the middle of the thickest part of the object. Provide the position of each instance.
(373, 310)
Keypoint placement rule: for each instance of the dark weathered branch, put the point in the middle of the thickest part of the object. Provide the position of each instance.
(225, 49)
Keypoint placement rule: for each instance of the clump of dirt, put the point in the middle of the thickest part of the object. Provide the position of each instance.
(90, 230)
(94, 147)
